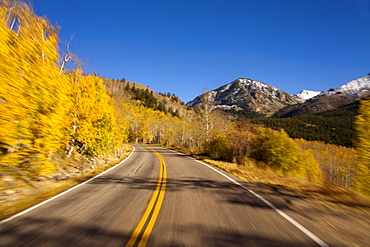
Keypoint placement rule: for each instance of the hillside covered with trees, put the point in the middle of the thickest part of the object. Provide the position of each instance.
(333, 126)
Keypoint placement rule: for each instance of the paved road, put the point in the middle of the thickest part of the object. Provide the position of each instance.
(159, 197)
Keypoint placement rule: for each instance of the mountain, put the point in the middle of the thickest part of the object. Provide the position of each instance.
(252, 99)
(329, 100)
(248, 96)
(359, 87)
(306, 94)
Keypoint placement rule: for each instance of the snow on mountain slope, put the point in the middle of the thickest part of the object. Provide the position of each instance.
(249, 95)
(358, 87)
(331, 99)
(307, 94)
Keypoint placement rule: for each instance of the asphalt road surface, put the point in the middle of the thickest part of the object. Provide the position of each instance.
(159, 197)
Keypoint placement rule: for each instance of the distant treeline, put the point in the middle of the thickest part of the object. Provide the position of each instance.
(148, 100)
(143, 96)
(333, 126)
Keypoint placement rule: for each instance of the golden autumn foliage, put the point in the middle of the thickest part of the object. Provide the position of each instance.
(282, 154)
(33, 104)
(362, 125)
(92, 116)
(40, 105)
(151, 126)
(269, 148)
(337, 163)
(233, 145)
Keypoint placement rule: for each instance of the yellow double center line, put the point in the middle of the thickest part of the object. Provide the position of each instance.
(147, 222)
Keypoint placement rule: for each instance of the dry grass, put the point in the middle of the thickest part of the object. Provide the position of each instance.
(42, 194)
(51, 189)
(333, 195)
(251, 173)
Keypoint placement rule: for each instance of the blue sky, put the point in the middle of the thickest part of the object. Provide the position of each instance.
(188, 46)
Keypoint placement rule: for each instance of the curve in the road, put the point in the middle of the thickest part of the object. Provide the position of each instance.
(147, 222)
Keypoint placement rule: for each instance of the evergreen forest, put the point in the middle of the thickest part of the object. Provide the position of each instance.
(333, 126)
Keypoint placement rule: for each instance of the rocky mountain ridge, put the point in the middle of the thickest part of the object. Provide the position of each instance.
(246, 94)
(329, 100)
(257, 97)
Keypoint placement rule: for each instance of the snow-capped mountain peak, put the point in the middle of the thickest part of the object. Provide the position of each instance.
(255, 99)
(307, 94)
(358, 86)
(247, 94)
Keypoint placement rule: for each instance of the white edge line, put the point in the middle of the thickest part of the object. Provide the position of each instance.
(65, 192)
(288, 218)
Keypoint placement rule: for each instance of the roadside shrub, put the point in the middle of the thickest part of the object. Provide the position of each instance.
(218, 148)
(282, 154)
(274, 149)
(240, 141)
(277, 150)
(232, 146)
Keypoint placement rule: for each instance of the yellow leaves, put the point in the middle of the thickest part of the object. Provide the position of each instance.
(35, 98)
(93, 114)
(147, 125)
(362, 125)
(219, 147)
(312, 168)
(337, 163)
(281, 153)
(277, 150)
(41, 107)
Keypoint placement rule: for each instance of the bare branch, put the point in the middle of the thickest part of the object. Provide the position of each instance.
(68, 56)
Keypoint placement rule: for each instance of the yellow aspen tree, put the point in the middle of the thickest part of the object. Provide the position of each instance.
(362, 125)
(33, 91)
(92, 118)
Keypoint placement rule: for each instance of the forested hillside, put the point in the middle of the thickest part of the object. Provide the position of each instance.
(141, 95)
(333, 126)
